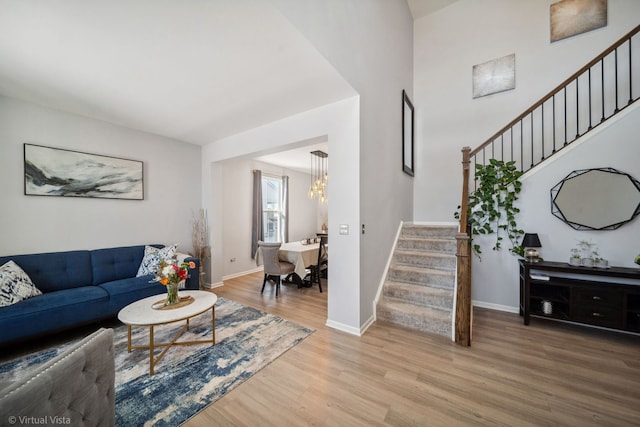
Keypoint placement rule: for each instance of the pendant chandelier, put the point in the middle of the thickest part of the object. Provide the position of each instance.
(319, 176)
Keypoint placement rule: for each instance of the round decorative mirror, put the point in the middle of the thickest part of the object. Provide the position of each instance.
(596, 199)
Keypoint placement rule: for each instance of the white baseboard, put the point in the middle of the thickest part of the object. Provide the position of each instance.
(344, 328)
(498, 307)
(350, 329)
(368, 323)
(242, 273)
(384, 274)
(212, 285)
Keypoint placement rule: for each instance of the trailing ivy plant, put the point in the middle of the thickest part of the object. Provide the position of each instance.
(492, 205)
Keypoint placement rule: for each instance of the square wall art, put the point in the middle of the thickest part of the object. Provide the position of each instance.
(494, 76)
(572, 17)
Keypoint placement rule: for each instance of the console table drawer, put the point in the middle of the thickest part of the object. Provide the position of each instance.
(598, 297)
(610, 317)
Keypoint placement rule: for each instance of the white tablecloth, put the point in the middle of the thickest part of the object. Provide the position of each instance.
(301, 256)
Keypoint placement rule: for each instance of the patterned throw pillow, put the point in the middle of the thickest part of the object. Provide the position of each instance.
(15, 285)
(152, 258)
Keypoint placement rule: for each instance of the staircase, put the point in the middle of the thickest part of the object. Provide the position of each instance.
(420, 284)
(592, 95)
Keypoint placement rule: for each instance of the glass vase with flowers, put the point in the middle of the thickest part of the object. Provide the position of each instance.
(170, 273)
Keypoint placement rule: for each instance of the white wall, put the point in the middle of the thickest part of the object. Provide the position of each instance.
(370, 44)
(495, 278)
(338, 125)
(236, 216)
(31, 224)
(447, 45)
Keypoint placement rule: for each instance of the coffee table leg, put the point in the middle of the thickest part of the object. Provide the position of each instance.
(129, 338)
(151, 341)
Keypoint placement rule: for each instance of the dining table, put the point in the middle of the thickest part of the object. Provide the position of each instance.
(301, 255)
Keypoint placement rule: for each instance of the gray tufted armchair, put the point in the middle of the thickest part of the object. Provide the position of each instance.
(75, 388)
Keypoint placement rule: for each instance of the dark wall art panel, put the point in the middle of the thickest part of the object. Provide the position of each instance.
(58, 172)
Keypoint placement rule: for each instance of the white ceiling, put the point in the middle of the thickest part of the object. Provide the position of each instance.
(192, 70)
(420, 8)
(298, 159)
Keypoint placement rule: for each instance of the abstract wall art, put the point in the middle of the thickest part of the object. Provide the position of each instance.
(58, 172)
(572, 17)
(494, 76)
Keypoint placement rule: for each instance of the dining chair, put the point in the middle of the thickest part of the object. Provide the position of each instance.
(320, 268)
(274, 269)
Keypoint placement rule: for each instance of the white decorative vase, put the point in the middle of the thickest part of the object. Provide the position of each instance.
(575, 261)
(587, 262)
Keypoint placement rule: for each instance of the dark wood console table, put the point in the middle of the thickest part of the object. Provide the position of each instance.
(586, 296)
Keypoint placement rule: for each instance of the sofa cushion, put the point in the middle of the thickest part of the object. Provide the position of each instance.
(53, 311)
(124, 292)
(15, 285)
(152, 258)
(116, 263)
(55, 271)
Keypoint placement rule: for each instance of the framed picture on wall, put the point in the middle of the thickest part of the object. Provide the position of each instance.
(58, 172)
(407, 134)
(497, 75)
(573, 17)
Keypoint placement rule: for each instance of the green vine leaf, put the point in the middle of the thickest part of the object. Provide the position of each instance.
(491, 206)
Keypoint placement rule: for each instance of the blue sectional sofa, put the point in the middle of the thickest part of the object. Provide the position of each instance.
(78, 287)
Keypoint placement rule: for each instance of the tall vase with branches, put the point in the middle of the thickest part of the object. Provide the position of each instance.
(200, 239)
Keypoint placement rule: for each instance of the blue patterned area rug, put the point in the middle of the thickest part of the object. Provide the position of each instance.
(188, 378)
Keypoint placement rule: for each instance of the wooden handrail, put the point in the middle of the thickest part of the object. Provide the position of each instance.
(557, 89)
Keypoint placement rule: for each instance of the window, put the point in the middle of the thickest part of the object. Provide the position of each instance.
(273, 214)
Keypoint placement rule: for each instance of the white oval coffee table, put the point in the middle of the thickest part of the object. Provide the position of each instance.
(142, 313)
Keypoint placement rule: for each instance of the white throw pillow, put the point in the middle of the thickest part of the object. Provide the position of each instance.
(153, 257)
(15, 285)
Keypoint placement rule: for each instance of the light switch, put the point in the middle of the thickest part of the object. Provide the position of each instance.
(344, 229)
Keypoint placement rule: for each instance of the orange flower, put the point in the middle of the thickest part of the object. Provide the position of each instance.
(192, 264)
(164, 281)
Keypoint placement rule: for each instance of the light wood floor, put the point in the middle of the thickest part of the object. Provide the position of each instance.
(547, 374)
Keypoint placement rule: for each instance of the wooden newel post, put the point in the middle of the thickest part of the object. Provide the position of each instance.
(464, 203)
(463, 254)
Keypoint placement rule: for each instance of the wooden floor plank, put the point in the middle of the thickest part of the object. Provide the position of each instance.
(544, 374)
